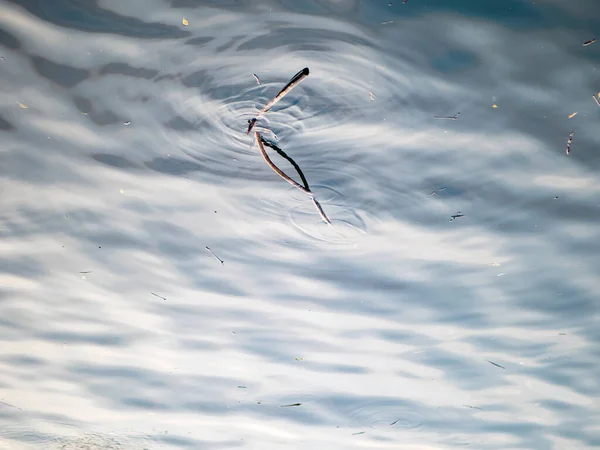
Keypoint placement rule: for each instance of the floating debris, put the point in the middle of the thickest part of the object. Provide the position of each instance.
(572, 115)
(86, 272)
(296, 79)
(159, 296)
(251, 124)
(385, 23)
(356, 434)
(372, 96)
(472, 407)
(22, 105)
(260, 142)
(10, 406)
(456, 216)
(394, 422)
(590, 42)
(596, 99)
(212, 253)
(121, 191)
(127, 123)
(293, 404)
(256, 78)
(494, 364)
(242, 387)
(569, 142)
(185, 22)
(454, 117)
(494, 106)
(299, 358)
(437, 190)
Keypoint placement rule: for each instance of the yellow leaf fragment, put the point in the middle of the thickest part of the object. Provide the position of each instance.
(572, 115)
(185, 22)
(494, 106)
(23, 105)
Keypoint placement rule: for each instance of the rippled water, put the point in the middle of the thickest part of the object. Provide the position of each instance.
(124, 156)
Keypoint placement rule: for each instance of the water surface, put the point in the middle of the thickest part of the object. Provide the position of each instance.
(124, 156)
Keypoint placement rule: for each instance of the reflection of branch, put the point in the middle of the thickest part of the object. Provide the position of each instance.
(278, 171)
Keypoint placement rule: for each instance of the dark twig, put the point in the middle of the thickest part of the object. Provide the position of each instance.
(289, 159)
(296, 79)
(212, 253)
(494, 364)
(454, 117)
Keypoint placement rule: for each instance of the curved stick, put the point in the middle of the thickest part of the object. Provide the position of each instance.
(276, 169)
(296, 79)
(290, 160)
(279, 172)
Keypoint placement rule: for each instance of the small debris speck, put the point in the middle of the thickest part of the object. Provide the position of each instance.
(185, 22)
(127, 123)
(494, 364)
(568, 150)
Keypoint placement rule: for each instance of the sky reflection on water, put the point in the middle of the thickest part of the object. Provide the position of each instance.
(398, 327)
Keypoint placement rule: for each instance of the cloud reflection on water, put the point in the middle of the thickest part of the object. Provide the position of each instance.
(397, 325)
